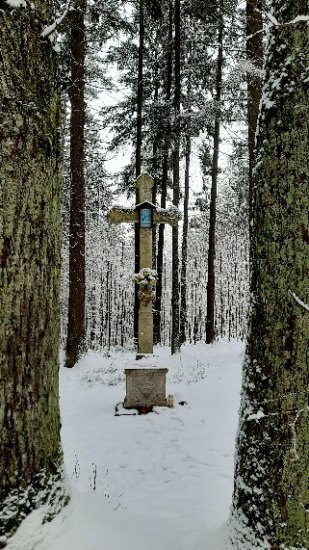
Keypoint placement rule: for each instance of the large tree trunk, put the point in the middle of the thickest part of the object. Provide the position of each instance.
(175, 343)
(211, 285)
(271, 493)
(138, 151)
(184, 250)
(30, 451)
(155, 151)
(77, 283)
(160, 257)
(160, 254)
(254, 82)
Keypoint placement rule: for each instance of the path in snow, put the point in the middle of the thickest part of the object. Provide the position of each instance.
(161, 481)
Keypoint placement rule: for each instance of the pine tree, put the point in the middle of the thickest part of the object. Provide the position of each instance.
(30, 451)
(255, 58)
(175, 338)
(165, 133)
(77, 280)
(271, 492)
(138, 149)
(210, 319)
(84, 76)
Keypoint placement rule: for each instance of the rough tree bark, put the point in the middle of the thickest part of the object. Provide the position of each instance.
(154, 163)
(165, 166)
(77, 277)
(211, 284)
(254, 82)
(271, 492)
(175, 343)
(254, 34)
(184, 249)
(138, 150)
(30, 451)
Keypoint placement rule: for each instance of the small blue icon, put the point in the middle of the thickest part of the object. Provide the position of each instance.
(145, 218)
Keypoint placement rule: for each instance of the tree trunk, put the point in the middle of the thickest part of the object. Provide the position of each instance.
(30, 252)
(184, 255)
(254, 82)
(271, 492)
(77, 284)
(160, 255)
(211, 285)
(138, 152)
(155, 177)
(175, 344)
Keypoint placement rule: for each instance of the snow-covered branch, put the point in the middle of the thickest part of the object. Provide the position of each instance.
(299, 301)
(273, 22)
(298, 19)
(272, 19)
(16, 3)
(51, 28)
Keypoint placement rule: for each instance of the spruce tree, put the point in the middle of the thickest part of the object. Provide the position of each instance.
(30, 450)
(77, 277)
(271, 492)
(211, 286)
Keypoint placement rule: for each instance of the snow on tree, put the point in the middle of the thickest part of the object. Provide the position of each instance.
(30, 450)
(271, 493)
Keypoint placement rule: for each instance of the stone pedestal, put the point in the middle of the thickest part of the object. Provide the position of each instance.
(145, 387)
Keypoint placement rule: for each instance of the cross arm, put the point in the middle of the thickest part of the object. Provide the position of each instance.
(122, 214)
(167, 215)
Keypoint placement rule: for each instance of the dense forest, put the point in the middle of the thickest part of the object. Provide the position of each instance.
(182, 102)
(212, 100)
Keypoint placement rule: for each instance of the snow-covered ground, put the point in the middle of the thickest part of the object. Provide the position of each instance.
(161, 481)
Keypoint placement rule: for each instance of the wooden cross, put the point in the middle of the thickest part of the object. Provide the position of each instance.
(146, 214)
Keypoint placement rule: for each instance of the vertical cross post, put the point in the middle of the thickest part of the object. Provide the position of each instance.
(144, 184)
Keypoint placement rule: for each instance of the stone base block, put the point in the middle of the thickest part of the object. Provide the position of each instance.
(145, 387)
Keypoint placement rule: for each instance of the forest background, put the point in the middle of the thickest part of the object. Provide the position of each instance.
(188, 75)
(175, 84)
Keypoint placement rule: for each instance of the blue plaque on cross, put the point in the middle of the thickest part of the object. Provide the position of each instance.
(146, 218)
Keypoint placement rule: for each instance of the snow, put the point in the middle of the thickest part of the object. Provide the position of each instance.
(299, 301)
(17, 3)
(162, 480)
(272, 19)
(51, 28)
(256, 416)
(300, 18)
